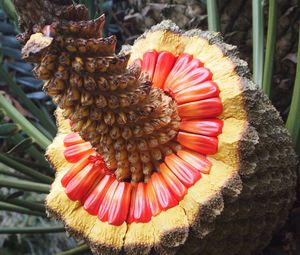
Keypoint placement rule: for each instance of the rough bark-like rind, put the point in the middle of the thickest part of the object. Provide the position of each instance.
(241, 213)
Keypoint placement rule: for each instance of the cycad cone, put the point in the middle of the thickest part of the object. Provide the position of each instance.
(232, 209)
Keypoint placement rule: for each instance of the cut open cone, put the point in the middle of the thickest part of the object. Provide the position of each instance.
(170, 151)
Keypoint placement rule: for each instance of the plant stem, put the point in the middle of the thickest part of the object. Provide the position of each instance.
(24, 185)
(213, 15)
(77, 250)
(24, 203)
(31, 230)
(28, 128)
(258, 41)
(293, 121)
(9, 173)
(47, 123)
(35, 165)
(32, 150)
(270, 49)
(25, 169)
(14, 208)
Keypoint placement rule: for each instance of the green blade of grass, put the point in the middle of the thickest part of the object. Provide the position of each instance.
(27, 127)
(77, 250)
(25, 169)
(46, 122)
(32, 150)
(24, 185)
(34, 165)
(258, 40)
(270, 48)
(23, 203)
(44, 131)
(293, 121)
(213, 15)
(32, 230)
(6, 172)
(9, 9)
(14, 208)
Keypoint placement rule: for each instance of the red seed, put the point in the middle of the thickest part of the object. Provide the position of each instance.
(165, 198)
(81, 184)
(210, 127)
(107, 200)
(74, 170)
(141, 212)
(149, 62)
(184, 64)
(188, 79)
(175, 186)
(183, 170)
(130, 217)
(164, 65)
(118, 210)
(199, 143)
(72, 139)
(200, 91)
(152, 199)
(198, 161)
(207, 108)
(76, 152)
(94, 200)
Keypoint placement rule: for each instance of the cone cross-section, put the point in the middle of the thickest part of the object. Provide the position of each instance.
(165, 148)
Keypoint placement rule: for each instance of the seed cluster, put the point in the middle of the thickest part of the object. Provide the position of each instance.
(129, 122)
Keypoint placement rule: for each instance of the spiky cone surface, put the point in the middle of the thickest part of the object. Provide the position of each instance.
(220, 183)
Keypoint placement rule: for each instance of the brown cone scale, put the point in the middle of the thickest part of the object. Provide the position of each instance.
(109, 104)
(232, 210)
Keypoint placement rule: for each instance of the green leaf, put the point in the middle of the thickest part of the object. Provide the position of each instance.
(21, 146)
(29, 82)
(9, 9)
(78, 250)
(24, 185)
(11, 53)
(258, 40)
(27, 127)
(35, 165)
(24, 203)
(9, 41)
(8, 129)
(270, 48)
(32, 230)
(213, 15)
(31, 150)
(15, 195)
(2, 115)
(4, 171)
(25, 170)
(46, 122)
(15, 208)
(7, 28)
(293, 121)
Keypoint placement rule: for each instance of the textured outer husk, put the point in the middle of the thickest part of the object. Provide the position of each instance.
(236, 208)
